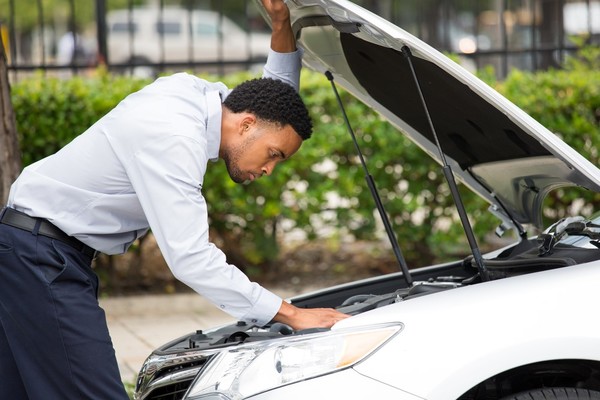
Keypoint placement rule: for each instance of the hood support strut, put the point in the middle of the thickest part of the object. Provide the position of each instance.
(371, 183)
(464, 219)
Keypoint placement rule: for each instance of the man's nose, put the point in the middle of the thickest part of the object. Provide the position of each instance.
(267, 169)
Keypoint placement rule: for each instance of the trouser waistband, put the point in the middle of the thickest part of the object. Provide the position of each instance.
(41, 226)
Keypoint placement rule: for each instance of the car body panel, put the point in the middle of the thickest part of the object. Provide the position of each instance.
(355, 387)
(468, 328)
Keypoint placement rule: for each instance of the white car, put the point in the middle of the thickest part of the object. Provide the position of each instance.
(517, 323)
(176, 36)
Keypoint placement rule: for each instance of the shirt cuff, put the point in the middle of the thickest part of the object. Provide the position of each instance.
(265, 308)
(284, 66)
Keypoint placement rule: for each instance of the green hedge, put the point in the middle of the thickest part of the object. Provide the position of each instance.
(50, 112)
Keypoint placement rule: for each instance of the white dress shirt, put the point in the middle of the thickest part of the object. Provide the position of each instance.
(142, 166)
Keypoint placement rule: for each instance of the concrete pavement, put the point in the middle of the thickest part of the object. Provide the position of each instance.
(140, 324)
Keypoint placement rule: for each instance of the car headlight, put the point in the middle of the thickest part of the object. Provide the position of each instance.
(253, 368)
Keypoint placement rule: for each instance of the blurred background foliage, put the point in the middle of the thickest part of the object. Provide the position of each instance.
(30, 15)
(321, 194)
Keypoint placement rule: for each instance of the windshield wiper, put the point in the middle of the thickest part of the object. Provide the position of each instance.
(371, 183)
(464, 219)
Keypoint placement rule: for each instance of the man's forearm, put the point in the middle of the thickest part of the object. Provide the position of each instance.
(282, 37)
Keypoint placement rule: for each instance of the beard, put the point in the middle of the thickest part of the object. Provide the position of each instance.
(232, 158)
(235, 173)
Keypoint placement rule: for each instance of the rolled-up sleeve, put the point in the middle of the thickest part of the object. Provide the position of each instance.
(284, 66)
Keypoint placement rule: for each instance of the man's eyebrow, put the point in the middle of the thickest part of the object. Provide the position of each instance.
(281, 153)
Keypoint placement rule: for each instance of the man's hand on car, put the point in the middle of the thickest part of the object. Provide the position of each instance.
(304, 318)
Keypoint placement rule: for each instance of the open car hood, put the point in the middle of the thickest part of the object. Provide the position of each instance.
(492, 146)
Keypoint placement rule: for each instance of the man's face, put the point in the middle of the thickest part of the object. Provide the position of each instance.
(259, 149)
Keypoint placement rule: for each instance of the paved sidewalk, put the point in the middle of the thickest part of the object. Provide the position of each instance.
(140, 324)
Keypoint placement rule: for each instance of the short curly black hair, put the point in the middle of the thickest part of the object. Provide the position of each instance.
(271, 100)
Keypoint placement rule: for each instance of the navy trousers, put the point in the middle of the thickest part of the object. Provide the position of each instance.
(54, 341)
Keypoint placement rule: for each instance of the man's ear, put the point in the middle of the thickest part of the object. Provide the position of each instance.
(247, 122)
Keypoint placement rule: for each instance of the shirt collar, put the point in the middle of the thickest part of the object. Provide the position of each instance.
(213, 126)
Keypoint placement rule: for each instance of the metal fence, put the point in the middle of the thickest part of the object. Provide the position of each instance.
(129, 36)
(151, 36)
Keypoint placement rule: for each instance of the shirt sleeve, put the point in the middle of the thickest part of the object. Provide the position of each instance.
(167, 177)
(284, 66)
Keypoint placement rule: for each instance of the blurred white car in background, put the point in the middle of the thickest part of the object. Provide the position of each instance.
(178, 36)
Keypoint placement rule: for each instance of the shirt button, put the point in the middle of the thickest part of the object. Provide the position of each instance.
(222, 306)
(254, 320)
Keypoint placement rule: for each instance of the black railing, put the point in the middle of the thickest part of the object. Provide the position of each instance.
(131, 35)
(220, 36)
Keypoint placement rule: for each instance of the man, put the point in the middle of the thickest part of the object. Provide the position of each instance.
(141, 166)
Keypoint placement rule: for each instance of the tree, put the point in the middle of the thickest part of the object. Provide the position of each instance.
(10, 159)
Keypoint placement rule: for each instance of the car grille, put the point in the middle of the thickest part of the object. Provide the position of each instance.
(170, 383)
(170, 392)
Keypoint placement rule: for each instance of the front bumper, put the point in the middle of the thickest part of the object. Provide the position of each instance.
(346, 384)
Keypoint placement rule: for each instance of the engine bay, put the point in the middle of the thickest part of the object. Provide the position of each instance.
(571, 245)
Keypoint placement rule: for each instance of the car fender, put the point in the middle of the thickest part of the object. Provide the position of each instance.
(454, 339)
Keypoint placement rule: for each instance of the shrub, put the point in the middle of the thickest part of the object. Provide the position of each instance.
(50, 112)
(323, 185)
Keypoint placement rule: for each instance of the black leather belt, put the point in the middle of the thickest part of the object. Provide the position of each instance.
(23, 221)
